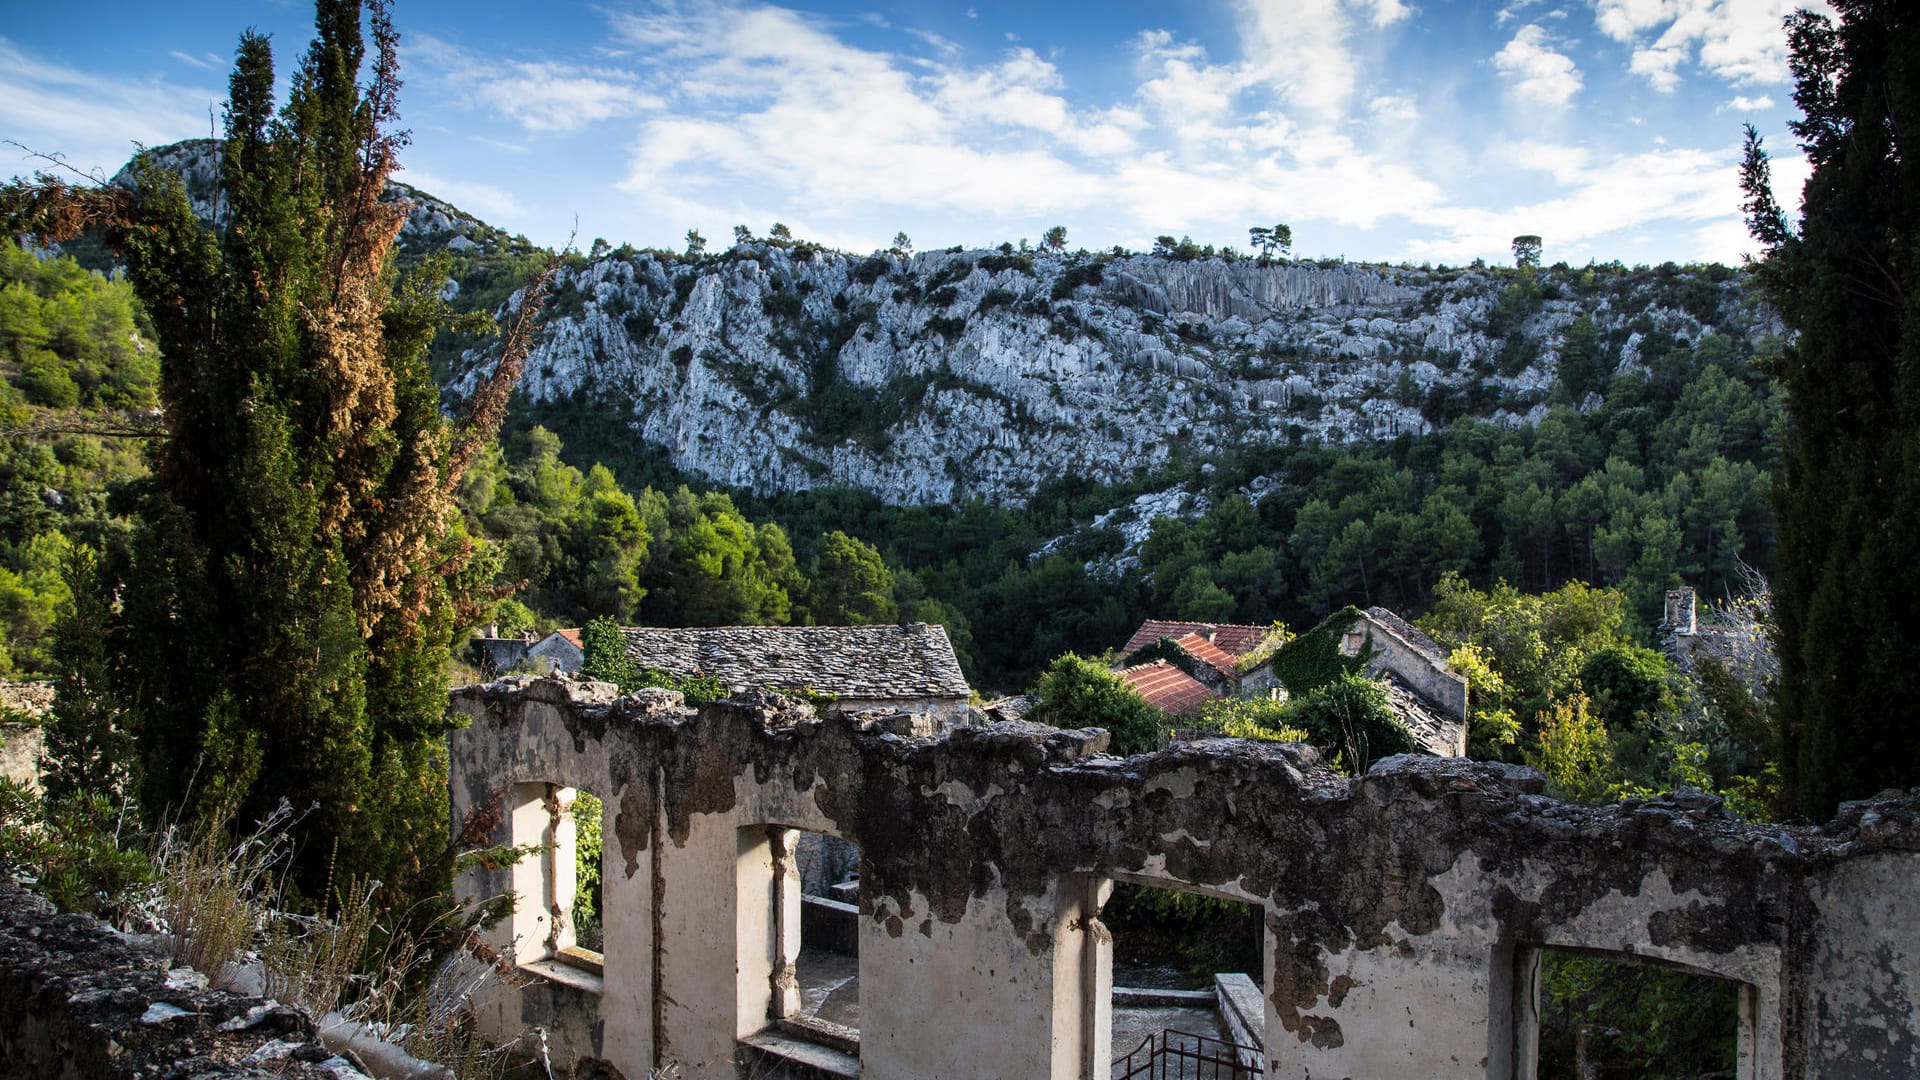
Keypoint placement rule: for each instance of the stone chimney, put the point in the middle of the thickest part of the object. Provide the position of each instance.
(1679, 620)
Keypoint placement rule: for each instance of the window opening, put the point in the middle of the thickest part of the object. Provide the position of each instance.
(812, 959)
(827, 964)
(1608, 1015)
(1188, 983)
(563, 926)
(589, 853)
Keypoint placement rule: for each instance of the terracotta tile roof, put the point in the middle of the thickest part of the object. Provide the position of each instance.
(850, 662)
(1207, 653)
(572, 636)
(1234, 639)
(1166, 687)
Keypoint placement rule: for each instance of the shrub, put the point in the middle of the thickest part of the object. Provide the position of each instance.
(75, 851)
(1351, 718)
(1077, 692)
(1251, 718)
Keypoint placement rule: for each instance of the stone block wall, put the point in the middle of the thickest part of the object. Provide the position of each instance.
(1405, 910)
(77, 1002)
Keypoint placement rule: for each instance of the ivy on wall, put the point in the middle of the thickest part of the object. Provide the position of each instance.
(1313, 659)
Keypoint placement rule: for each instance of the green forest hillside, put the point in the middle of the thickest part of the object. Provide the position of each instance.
(1660, 481)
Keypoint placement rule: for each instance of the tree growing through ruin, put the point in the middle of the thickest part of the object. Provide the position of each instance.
(296, 571)
(1847, 584)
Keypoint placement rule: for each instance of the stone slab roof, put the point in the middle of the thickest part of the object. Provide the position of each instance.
(1416, 638)
(850, 662)
(1232, 638)
(1166, 687)
(1436, 732)
(1207, 653)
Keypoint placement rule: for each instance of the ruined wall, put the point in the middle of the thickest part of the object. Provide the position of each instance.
(1404, 909)
(1393, 652)
(77, 1001)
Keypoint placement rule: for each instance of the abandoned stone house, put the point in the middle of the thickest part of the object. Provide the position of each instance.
(1426, 695)
(558, 651)
(497, 655)
(1406, 911)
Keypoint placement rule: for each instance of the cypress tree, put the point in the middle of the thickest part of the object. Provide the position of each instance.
(296, 572)
(1847, 588)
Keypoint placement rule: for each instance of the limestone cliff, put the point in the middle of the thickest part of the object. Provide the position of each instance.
(940, 376)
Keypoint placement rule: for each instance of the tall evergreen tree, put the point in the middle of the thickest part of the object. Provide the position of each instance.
(295, 575)
(1847, 597)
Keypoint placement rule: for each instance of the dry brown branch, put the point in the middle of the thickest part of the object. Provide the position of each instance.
(53, 210)
(488, 405)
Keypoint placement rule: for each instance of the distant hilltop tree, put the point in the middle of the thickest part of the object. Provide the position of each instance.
(696, 244)
(1526, 251)
(1269, 240)
(1054, 239)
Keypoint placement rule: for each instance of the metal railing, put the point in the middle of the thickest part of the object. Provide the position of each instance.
(1180, 1055)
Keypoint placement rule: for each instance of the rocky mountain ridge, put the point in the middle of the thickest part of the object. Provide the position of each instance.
(935, 377)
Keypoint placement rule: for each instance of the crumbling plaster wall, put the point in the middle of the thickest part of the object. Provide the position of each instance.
(1404, 909)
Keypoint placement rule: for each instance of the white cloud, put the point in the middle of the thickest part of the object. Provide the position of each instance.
(1512, 11)
(206, 62)
(1659, 66)
(1567, 164)
(1739, 41)
(1541, 75)
(939, 44)
(540, 96)
(1743, 103)
(768, 101)
(92, 121)
(1394, 107)
(485, 201)
(1608, 198)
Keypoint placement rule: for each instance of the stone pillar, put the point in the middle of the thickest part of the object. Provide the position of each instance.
(1085, 943)
(785, 909)
(561, 869)
(627, 919)
(528, 934)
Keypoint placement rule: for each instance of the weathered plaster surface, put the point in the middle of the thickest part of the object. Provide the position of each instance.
(1401, 906)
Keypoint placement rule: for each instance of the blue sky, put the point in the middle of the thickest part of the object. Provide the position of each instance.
(1399, 130)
